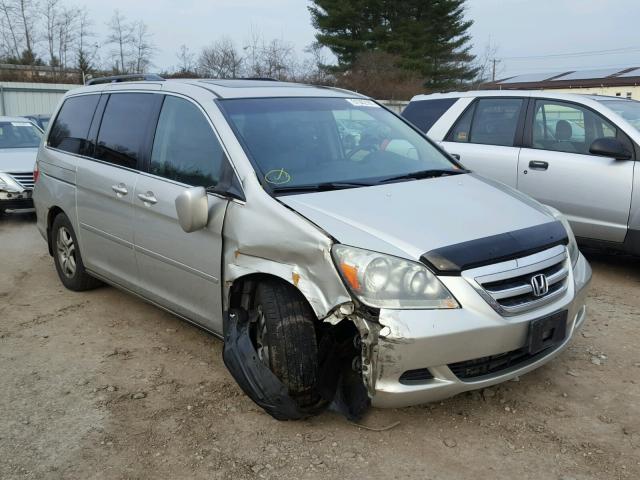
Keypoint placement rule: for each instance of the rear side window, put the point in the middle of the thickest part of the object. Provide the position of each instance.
(70, 129)
(123, 130)
(489, 121)
(424, 113)
(185, 148)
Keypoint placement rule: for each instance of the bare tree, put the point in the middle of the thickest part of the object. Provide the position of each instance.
(11, 36)
(67, 33)
(18, 26)
(51, 11)
(86, 51)
(273, 59)
(221, 60)
(186, 60)
(121, 36)
(487, 65)
(278, 60)
(313, 69)
(27, 18)
(143, 48)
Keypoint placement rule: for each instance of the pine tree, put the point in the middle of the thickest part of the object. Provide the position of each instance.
(349, 27)
(428, 37)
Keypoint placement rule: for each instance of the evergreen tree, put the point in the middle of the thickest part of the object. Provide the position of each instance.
(428, 37)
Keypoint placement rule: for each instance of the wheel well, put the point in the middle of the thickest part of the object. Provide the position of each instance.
(53, 213)
(243, 288)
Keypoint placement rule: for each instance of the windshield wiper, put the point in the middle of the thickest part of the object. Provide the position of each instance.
(432, 173)
(319, 187)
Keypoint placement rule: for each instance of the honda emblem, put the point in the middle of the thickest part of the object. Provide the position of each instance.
(540, 285)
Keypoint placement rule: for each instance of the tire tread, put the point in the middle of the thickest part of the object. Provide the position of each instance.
(291, 336)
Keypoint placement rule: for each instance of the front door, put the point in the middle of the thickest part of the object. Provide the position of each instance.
(558, 170)
(179, 270)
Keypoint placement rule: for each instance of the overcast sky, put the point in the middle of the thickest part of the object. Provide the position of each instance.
(598, 33)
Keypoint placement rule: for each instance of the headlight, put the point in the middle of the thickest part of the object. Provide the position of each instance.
(384, 281)
(573, 245)
(7, 184)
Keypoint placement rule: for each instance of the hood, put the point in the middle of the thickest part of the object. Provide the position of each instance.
(17, 160)
(408, 219)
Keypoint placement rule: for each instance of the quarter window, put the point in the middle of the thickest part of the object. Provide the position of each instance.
(566, 127)
(71, 127)
(185, 148)
(490, 121)
(124, 127)
(425, 113)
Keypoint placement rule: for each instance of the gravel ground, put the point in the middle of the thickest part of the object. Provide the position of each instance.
(103, 385)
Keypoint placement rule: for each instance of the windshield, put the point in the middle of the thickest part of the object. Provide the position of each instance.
(627, 109)
(298, 142)
(19, 135)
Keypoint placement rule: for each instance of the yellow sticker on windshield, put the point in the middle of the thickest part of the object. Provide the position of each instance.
(278, 176)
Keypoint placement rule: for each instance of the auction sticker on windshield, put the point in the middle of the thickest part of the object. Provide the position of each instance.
(361, 102)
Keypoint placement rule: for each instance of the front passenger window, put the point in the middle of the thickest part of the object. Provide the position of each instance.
(185, 148)
(567, 127)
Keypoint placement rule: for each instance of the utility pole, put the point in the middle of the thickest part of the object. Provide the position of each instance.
(493, 74)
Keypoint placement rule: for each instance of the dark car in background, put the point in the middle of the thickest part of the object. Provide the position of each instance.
(41, 121)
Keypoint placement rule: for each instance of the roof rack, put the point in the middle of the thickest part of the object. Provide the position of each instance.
(261, 79)
(134, 77)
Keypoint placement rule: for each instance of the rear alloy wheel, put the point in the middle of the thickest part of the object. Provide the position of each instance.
(66, 251)
(66, 256)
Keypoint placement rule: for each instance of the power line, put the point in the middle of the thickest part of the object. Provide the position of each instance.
(591, 53)
(552, 69)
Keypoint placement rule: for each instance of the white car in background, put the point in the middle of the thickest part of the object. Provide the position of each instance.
(577, 153)
(19, 142)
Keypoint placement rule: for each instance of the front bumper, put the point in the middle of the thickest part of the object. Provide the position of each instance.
(434, 339)
(15, 200)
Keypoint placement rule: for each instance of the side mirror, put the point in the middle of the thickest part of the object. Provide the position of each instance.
(192, 207)
(610, 147)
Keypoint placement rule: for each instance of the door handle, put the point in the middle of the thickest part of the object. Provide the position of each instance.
(148, 198)
(120, 189)
(538, 165)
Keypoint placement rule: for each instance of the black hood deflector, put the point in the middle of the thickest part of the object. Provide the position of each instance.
(453, 259)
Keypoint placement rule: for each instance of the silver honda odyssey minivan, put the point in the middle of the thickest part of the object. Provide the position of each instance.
(344, 258)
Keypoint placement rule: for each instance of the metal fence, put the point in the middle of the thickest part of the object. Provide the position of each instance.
(395, 105)
(24, 98)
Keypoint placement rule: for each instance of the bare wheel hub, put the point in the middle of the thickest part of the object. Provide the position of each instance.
(261, 337)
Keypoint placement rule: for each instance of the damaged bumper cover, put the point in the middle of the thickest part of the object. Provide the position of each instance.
(341, 389)
(254, 377)
(420, 353)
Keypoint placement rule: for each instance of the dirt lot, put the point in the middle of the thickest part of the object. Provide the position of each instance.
(102, 385)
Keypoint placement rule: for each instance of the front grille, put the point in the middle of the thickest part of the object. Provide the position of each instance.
(479, 367)
(508, 288)
(24, 179)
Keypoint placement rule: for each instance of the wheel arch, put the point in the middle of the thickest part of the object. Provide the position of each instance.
(243, 287)
(51, 216)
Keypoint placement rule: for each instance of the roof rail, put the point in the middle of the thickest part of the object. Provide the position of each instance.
(133, 77)
(261, 79)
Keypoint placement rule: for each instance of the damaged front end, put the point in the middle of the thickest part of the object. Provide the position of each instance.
(344, 375)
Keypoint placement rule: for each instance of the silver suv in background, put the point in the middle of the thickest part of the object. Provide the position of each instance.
(19, 142)
(339, 253)
(577, 153)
